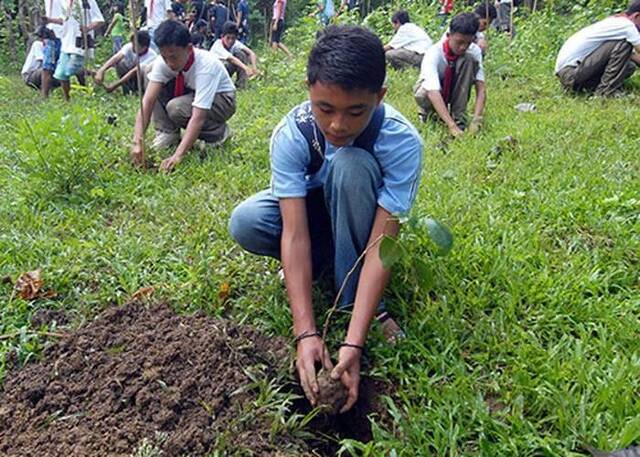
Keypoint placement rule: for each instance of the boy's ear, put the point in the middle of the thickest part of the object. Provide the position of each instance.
(381, 94)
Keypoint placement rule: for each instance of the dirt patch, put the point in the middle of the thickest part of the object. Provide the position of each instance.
(144, 380)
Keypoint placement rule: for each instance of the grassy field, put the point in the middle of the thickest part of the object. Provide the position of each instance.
(528, 344)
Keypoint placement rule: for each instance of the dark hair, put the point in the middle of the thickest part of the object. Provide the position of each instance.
(197, 39)
(230, 28)
(465, 24)
(44, 32)
(144, 40)
(172, 33)
(634, 7)
(201, 23)
(486, 10)
(349, 56)
(400, 16)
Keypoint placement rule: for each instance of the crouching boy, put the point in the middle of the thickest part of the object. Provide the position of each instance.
(449, 69)
(601, 56)
(344, 165)
(237, 57)
(187, 89)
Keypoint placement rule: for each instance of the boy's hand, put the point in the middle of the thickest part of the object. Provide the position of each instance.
(170, 163)
(137, 154)
(310, 351)
(474, 126)
(455, 131)
(98, 77)
(348, 372)
(110, 88)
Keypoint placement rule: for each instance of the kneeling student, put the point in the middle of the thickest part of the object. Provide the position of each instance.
(237, 57)
(344, 165)
(187, 89)
(448, 71)
(125, 63)
(32, 69)
(601, 56)
(408, 45)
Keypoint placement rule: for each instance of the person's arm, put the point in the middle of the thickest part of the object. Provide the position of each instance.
(635, 55)
(130, 74)
(483, 44)
(113, 22)
(296, 262)
(238, 63)
(53, 20)
(373, 280)
(112, 62)
(478, 111)
(435, 97)
(191, 133)
(387, 47)
(253, 58)
(148, 102)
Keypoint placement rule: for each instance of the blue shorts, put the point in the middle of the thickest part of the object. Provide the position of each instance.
(51, 53)
(68, 66)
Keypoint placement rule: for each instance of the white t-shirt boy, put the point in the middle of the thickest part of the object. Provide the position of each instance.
(129, 56)
(156, 12)
(434, 65)
(206, 77)
(34, 59)
(74, 16)
(53, 9)
(411, 37)
(223, 53)
(587, 40)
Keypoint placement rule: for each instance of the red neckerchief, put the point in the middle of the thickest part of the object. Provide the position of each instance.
(178, 90)
(449, 72)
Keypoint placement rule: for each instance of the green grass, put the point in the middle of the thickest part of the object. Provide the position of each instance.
(531, 344)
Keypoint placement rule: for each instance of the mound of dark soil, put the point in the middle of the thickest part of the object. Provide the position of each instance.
(145, 377)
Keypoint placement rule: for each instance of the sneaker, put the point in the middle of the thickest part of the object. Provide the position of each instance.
(165, 139)
(225, 135)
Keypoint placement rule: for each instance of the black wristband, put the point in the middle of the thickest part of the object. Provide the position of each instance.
(307, 334)
(349, 345)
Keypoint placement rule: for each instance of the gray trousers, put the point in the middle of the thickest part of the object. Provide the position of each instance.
(34, 78)
(130, 86)
(604, 70)
(401, 58)
(464, 78)
(503, 20)
(172, 114)
(241, 78)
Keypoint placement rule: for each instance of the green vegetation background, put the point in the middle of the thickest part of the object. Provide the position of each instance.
(528, 343)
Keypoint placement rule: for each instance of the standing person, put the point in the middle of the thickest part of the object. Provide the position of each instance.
(187, 89)
(81, 18)
(277, 27)
(218, 16)
(601, 56)
(51, 52)
(504, 9)
(157, 12)
(344, 166)
(448, 71)
(326, 11)
(242, 20)
(408, 45)
(125, 62)
(32, 68)
(486, 13)
(238, 58)
(116, 27)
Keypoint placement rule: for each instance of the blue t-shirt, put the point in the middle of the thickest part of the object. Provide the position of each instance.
(243, 7)
(398, 150)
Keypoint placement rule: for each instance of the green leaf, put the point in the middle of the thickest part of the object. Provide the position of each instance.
(390, 252)
(439, 234)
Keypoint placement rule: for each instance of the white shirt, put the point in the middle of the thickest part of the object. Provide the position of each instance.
(410, 36)
(129, 55)
(156, 12)
(34, 58)
(223, 53)
(587, 40)
(434, 65)
(74, 15)
(207, 77)
(53, 9)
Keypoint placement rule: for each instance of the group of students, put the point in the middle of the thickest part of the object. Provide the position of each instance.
(345, 165)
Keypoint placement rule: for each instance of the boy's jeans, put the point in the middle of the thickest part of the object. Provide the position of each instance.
(340, 217)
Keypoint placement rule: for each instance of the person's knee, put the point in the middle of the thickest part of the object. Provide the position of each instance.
(242, 225)
(355, 170)
(178, 112)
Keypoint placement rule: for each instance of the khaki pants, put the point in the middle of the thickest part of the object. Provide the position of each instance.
(464, 78)
(172, 114)
(401, 58)
(130, 86)
(604, 70)
(241, 79)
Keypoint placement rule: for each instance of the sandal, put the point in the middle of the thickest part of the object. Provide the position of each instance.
(390, 328)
